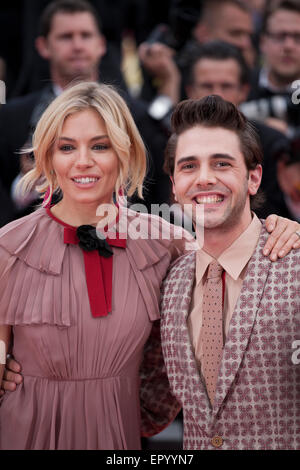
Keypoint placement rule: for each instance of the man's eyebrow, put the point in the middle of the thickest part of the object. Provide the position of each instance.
(215, 156)
(224, 156)
(186, 159)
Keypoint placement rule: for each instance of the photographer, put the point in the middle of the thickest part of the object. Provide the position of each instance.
(159, 56)
(288, 176)
(270, 97)
(163, 55)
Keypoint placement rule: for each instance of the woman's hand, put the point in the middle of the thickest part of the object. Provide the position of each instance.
(11, 376)
(283, 237)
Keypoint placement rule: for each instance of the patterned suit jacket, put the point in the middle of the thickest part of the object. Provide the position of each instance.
(257, 404)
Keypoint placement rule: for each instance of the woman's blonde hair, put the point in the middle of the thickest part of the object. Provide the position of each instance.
(121, 130)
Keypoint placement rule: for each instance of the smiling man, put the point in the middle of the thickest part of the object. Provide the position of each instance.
(219, 68)
(230, 316)
(218, 180)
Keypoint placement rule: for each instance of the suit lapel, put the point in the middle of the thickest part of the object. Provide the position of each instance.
(189, 366)
(184, 292)
(242, 322)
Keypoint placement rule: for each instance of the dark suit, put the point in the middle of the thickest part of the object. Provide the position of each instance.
(14, 131)
(272, 103)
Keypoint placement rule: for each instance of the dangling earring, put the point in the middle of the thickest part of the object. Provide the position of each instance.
(48, 197)
(121, 199)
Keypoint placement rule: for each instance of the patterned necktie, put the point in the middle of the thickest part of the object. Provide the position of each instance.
(212, 328)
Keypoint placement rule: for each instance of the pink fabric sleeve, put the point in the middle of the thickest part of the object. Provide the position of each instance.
(32, 278)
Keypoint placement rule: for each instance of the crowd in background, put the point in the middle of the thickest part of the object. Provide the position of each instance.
(156, 54)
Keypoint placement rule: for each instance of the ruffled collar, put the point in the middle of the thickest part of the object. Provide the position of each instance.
(38, 240)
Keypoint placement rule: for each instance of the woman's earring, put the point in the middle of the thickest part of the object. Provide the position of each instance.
(48, 198)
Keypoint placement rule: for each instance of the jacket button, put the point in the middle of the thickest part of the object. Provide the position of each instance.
(217, 441)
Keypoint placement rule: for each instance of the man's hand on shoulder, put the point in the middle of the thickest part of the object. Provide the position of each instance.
(284, 236)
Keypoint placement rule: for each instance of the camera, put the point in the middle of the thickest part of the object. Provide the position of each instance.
(183, 17)
(277, 106)
(163, 34)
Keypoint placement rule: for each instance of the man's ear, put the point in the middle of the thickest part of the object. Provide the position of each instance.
(103, 46)
(200, 32)
(244, 92)
(173, 187)
(190, 92)
(41, 45)
(262, 43)
(254, 180)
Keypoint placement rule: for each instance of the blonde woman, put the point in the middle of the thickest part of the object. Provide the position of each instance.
(81, 319)
(83, 309)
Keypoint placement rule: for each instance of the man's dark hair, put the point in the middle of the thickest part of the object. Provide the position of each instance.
(65, 6)
(274, 6)
(213, 111)
(215, 50)
(209, 6)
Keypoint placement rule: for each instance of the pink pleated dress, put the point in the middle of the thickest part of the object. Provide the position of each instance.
(82, 376)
